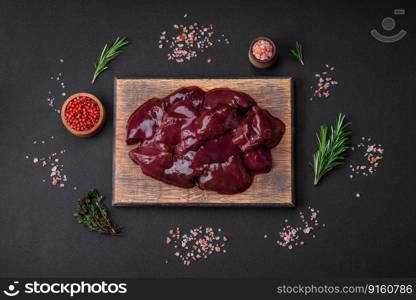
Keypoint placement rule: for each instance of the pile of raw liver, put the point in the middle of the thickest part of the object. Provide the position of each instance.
(217, 140)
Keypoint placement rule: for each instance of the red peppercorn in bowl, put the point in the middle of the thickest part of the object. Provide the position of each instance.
(83, 114)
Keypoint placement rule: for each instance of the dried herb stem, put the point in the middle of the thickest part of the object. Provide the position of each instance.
(92, 213)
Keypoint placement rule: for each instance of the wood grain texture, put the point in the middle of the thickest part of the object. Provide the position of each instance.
(132, 187)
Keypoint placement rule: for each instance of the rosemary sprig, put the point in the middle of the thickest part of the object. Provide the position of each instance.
(331, 149)
(297, 53)
(92, 213)
(107, 55)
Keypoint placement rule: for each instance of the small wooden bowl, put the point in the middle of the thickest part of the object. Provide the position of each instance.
(92, 131)
(258, 63)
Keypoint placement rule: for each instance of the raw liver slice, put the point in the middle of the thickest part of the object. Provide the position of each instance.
(182, 173)
(229, 177)
(216, 150)
(152, 161)
(259, 128)
(218, 140)
(209, 125)
(229, 97)
(259, 160)
(144, 121)
(193, 96)
(169, 131)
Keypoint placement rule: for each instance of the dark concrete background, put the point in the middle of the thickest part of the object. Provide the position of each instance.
(373, 235)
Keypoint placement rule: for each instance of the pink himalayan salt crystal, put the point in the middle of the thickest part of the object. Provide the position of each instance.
(262, 50)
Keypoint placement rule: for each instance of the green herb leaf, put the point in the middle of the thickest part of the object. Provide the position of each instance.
(297, 53)
(107, 55)
(92, 213)
(331, 149)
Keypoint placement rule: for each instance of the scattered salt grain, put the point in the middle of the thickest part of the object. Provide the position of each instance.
(187, 41)
(369, 157)
(52, 98)
(324, 83)
(292, 235)
(56, 169)
(199, 243)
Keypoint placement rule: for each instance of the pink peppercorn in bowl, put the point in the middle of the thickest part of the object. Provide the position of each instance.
(83, 114)
(262, 52)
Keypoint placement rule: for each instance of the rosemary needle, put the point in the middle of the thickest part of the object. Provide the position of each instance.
(107, 55)
(297, 53)
(331, 149)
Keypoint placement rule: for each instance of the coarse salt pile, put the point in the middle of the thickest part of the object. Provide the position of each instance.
(186, 41)
(199, 243)
(262, 50)
(325, 81)
(292, 236)
(371, 155)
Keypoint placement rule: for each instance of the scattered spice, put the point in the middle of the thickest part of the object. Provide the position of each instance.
(199, 243)
(59, 78)
(294, 235)
(262, 50)
(370, 154)
(325, 81)
(82, 113)
(53, 162)
(187, 41)
(92, 213)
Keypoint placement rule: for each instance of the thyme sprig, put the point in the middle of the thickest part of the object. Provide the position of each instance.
(92, 213)
(331, 149)
(107, 55)
(297, 53)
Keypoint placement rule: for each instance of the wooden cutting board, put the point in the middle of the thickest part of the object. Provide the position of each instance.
(131, 187)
